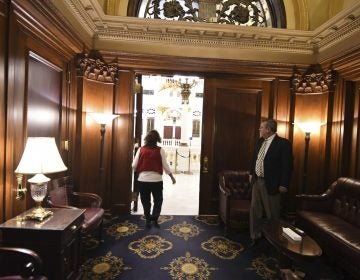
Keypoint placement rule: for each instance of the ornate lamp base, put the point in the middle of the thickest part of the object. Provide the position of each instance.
(39, 214)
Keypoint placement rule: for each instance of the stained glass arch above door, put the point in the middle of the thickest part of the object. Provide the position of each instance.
(262, 13)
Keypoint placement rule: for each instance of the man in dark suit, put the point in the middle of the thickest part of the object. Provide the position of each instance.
(271, 173)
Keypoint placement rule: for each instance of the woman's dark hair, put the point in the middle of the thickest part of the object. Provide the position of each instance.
(152, 138)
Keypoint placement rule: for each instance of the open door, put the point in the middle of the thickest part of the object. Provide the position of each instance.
(231, 117)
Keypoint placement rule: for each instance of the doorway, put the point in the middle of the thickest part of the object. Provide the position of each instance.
(173, 105)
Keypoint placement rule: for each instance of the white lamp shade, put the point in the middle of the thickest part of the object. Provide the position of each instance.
(102, 118)
(311, 127)
(41, 156)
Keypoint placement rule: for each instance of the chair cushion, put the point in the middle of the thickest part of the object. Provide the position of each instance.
(93, 218)
(239, 209)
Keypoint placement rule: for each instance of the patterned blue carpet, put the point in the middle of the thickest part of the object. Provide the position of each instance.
(184, 247)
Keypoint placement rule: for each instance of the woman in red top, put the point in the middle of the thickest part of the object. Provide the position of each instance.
(149, 163)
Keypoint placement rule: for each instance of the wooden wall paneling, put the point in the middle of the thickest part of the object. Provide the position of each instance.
(75, 146)
(21, 35)
(67, 116)
(356, 134)
(267, 100)
(70, 114)
(64, 67)
(72, 117)
(3, 91)
(348, 128)
(46, 97)
(97, 97)
(44, 83)
(328, 142)
(123, 143)
(236, 122)
(282, 107)
(337, 133)
(318, 178)
(15, 126)
(283, 113)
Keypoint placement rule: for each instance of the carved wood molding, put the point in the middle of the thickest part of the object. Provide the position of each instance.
(313, 81)
(42, 21)
(149, 63)
(93, 68)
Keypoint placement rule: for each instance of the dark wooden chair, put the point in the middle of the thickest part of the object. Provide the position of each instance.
(20, 263)
(61, 194)
(234, 198)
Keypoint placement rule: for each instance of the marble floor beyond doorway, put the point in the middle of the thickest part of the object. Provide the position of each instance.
(179, 199)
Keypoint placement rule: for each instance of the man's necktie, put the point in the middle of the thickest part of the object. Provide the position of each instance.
(259, 167)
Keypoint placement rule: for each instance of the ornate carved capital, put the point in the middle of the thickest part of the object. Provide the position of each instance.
(96, 69)
(313, 81)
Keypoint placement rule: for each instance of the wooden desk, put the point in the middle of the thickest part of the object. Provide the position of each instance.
(56, 240)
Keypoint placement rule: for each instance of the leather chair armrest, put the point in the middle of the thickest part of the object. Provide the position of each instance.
(320, 203)
(92, 200)
(224, 191)
(62, 206)
(20, 262)
(53, 205)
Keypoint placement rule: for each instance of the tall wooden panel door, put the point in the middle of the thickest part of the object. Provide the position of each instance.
(231, 117)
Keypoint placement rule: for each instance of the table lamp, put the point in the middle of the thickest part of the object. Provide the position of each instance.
(41, 156)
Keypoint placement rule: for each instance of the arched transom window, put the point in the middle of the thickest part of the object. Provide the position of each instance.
(237, 12)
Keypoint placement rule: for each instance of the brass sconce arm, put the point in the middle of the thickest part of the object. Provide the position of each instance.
(20, 190)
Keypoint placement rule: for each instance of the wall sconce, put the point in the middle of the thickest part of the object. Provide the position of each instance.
(307, 128)
(102, 119)
(20, 190)
(41, 156)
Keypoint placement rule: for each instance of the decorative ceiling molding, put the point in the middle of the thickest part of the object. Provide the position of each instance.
(104, 29)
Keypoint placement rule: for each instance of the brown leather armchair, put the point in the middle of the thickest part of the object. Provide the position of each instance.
(20, 263)
(234, 198)
(61, 194)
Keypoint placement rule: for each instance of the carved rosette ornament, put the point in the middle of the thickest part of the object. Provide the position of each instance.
(97, 70)
(313, 81)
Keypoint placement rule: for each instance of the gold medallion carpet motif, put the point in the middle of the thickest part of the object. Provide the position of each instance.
(183, 248)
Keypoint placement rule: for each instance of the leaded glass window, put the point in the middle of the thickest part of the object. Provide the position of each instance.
(237, 12)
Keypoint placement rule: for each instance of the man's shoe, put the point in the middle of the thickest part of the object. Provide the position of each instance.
(156, 224)
(148, 224)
